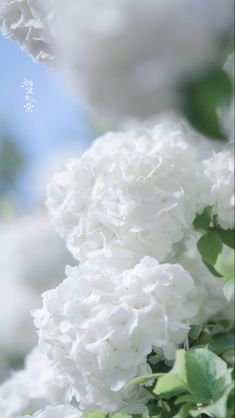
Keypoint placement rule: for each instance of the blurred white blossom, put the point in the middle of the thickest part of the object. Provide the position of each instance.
(130, 57)
(210, 299)
(32, 260)
(30, 389)
(29, 22)
(65, 411)
(220, 171)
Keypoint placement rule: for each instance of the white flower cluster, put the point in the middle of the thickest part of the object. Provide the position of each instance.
(126, 57)
(30, 389)
(30, 23)
(128, 201)
(60, 411)
(129, 57)
(99, 327)
(220, 171)
(130, 195)
(32, 260)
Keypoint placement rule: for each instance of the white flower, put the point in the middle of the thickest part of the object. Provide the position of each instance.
(98, 328)
(60, 411)
(32, 253)
(129, 57)
(32, 260)
(29, 23)
(210, 299)
(130, 195)
(30, 389)
(220, 171)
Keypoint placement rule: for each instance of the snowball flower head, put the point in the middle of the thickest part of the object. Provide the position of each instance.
(30, 389)
(129, 195)
(29, 23)
(98, 328)
(129, 57)
(220, 171)
(60, 411)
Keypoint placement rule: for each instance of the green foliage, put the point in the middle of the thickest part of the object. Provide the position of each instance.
(144, 379)
(210, 246)
(195, 331)
(223, 342)
(97, 414)
(227, 236)
(201, 99)
(203, 220)
(202, 378)
(174, 382)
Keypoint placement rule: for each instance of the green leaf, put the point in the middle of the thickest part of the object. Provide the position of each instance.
(195, 331)
(175, 381)
(213, 270)
(210, 246)
(153, 408)
(96, 414)
(143, 379)
(217, 409)
(183, 412)
(202, 221)
(201, 99)
(207, 374)
(222, 343)
(229, 289)
(227, 236)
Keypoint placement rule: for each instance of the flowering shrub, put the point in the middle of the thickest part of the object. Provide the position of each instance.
(142, 325)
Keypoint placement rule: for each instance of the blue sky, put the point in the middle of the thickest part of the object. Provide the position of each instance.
(56, 123)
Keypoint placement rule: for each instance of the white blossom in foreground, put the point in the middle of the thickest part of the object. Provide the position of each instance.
(130, 195)
(30, 389)
(98, 328)
(220, 171)
(60, 411)
(32, 260)
(29, 22)
(129, 57)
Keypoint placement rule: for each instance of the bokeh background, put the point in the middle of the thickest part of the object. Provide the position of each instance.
(32, 146)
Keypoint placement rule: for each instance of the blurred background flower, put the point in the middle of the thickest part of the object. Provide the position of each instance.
(32, 146)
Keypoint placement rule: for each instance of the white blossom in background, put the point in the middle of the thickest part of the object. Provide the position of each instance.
(30, 389)
(125, 57)
(98, 327)
(130, 195)
(220, 171)
(32, 260)
(17, 334)
(32, 253)
(210, 299)
(29, 22)
(60, 411)
(130, 57)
